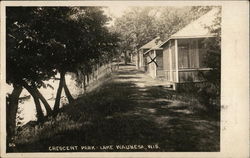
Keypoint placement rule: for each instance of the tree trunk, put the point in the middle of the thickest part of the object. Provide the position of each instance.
(11, 111)
(67, 92)
(93, 73)
(125, 58)
(138, 60)
(40, 96)
(87, 78)
(131, 57)
(33, 92)
(58, 93)
(84, 83)
(39, 111)
(118, 63)
(44, 101)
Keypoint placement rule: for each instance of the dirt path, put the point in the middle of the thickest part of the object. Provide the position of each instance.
(132, 109)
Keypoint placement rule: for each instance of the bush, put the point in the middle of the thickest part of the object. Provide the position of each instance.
(206, 93)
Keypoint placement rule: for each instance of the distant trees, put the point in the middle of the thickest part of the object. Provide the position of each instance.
(140, 25)
(171, 20)
(44, 41)
(136, 27)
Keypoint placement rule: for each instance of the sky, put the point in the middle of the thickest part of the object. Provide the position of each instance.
(114, 12)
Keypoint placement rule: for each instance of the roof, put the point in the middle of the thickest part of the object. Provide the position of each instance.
(197, 28)
(150, 44)
(156, 47)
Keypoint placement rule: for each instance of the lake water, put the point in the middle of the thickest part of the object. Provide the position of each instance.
(27, 110)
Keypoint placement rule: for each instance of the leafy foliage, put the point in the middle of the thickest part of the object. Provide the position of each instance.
(213, 60)
(136, 27)
(26, 55)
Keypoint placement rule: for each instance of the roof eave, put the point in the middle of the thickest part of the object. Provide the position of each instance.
(185, 37)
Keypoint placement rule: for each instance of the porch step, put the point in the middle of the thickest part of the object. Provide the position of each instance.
(164, 83)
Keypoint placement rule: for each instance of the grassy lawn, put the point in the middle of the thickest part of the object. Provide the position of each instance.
(127, 111)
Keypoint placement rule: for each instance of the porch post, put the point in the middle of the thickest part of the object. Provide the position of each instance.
(154, 64)
(137, 59)
(176, 61)
(170, 62)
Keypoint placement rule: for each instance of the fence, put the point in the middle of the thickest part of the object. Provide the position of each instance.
(92, 80)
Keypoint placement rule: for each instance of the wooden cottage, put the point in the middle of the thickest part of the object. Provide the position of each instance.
(141, 61)
(154, 62)
(184, 52)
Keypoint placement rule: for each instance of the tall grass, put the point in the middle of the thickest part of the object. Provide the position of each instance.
(53, 126)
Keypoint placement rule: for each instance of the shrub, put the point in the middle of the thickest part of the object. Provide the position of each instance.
(206, 93)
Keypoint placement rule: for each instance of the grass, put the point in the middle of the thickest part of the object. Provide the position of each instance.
(121, 113)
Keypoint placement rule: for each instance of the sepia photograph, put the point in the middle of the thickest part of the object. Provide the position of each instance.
(103, 78)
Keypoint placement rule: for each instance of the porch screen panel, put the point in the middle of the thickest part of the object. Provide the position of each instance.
(202, 53)
(193, 54)
(141, 59)
(166, 59)
(183, 53)
(166, 62)
(172, 47)
(173, 73)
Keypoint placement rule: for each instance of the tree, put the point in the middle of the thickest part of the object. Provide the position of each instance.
(65, 37)
(26, 67)
(136, 27)
(11, 110)
(213, 55)
(84, 40)
(103, 48)
(172, 19)
(56, 25)
(44, 41)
